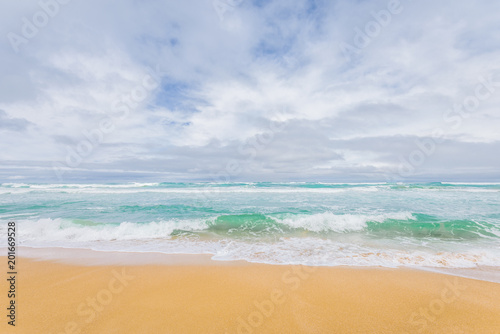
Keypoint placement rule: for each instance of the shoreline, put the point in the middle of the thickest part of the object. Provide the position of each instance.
(84, 256)
(193, 294)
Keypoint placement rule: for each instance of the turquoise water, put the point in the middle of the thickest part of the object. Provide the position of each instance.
(432, 225)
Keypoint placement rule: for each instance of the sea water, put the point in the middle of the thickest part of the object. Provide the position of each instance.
(432, 225)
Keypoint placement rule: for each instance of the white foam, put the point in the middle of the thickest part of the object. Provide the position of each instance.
(209, 190)
(201, 192)
(65, 232)
(473, 183)
(340, 223)
(51, 230)
(320, 252)
(78, 185)
(156, 236)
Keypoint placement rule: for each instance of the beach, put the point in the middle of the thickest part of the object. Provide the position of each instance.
(106, 292)
(251, 258)
(243, 167)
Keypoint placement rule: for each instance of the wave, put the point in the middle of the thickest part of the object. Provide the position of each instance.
(78, 230)
(256, 225)
(431, 224)
(386, 239)
(210, 189)
(78, 185)
(328, 221)
(428, 226)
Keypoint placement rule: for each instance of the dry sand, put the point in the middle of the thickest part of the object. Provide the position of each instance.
(215, 297)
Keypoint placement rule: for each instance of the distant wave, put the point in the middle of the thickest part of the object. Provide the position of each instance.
(204, 189)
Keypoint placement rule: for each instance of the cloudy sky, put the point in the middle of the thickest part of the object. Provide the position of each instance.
(234, 90)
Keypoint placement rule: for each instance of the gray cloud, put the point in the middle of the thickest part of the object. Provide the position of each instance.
(12, 123)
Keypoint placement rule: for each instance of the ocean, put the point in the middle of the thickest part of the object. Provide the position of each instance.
(430, 225)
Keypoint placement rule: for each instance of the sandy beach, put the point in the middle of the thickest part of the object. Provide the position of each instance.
(198, 295)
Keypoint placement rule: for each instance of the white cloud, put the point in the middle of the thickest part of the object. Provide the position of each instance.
(224, 81)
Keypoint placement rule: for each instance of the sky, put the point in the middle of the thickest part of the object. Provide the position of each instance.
(241, 90)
